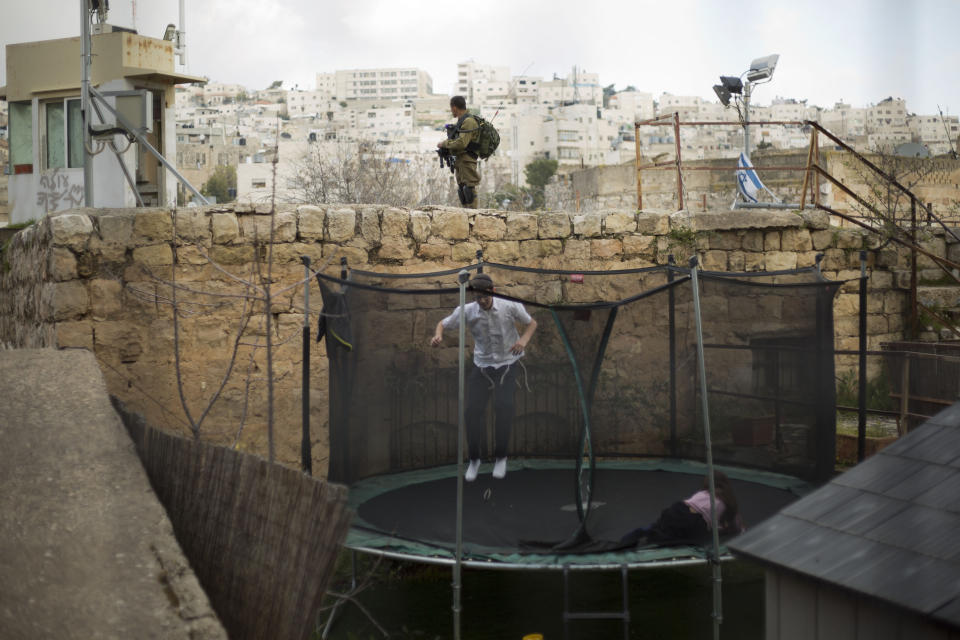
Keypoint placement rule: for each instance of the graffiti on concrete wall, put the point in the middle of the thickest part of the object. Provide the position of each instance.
(56, 191)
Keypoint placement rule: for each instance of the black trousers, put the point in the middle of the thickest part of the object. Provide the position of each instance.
(479, 383)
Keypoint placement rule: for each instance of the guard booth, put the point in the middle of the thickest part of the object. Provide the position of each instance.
(136, 74)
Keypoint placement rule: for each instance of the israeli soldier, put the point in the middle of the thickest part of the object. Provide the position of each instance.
(465, 168)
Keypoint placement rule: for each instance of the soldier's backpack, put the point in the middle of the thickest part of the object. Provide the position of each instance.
(487, 141)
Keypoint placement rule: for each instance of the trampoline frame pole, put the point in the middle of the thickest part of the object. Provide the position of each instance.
(462, 278)
(306, 455)
(701, 362)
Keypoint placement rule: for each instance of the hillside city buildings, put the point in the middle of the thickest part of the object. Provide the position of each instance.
(571, 118)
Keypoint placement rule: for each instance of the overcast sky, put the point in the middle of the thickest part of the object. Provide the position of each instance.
(858, 51)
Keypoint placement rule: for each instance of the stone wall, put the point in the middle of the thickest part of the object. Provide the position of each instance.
(104, 280)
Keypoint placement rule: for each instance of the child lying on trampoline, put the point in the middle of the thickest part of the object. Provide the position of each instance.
(688, 521)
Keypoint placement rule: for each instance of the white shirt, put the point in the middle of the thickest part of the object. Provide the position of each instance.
(494, 331)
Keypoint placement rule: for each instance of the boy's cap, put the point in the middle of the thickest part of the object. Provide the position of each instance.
(482, 282)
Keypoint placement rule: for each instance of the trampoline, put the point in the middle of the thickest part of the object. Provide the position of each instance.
(609, 428)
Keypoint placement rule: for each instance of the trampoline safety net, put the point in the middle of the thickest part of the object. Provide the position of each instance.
(610, 373)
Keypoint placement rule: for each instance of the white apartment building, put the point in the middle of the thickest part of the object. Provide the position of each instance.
(938, 134)
(216, 93)
(481, 82)
(327, 84)
(382, 84)
(891, 112)
(845, 121)
(577, 87)
(636, 104)
(301, 103)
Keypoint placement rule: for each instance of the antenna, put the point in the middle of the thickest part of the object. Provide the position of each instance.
(953, 152)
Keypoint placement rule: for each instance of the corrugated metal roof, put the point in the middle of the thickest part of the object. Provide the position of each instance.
(888, 528)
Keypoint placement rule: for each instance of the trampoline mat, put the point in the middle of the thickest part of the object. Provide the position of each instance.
(415, 512)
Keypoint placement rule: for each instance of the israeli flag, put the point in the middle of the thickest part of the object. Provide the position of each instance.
(748, 184)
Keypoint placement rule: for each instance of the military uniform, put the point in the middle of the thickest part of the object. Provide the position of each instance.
(465, 169)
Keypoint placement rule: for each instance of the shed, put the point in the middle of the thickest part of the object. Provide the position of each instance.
(875, 553)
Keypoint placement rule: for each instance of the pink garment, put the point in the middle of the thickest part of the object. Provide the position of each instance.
(700, 502)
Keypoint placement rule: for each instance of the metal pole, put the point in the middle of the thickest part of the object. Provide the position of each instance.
(306, 457)
(715, 561)
(463, 277)
(676, 139)
(746, 119)
(182, 39)
(673, 358)
(636, 144)
(85, 46)
(914, 320)
(862, 363)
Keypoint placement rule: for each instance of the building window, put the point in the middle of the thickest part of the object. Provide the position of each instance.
(258, 183)
(21, 137)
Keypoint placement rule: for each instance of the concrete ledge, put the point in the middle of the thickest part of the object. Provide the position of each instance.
(86, 549)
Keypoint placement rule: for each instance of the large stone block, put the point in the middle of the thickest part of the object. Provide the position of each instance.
(193, 225)
(849, 238)
(116, 230)
(752, 241)
(119, 341)
(62, 264)
(653, 224)
(489, 227)
(310, 222)
(396, 223)
(74, 335)
(420, 225)
(67, 300)
(229, 255)
(605, 248)
(503, 251)
(451, 225)
(225, 228)
(588, 225)
(639, 245)
(554, 224)
(779, 260)
(153, 256)
(736, 261)
(823, 239)
(355, 256)
(465, 252)
(536, 249)
(724, 240)
(396, 248)
(151, 226)
(620, 223)
(370, 227)
(771, 241)
(796, 240)
(341, 224)
(576, 249)
(257, 227)
(105, 298)
(714, 260)
(429, 251)
(72, 230)
(806, 259)
(521, 226)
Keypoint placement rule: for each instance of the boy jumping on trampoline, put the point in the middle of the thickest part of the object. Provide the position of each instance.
(497, 347)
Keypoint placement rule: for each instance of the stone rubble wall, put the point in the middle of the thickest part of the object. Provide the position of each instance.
(102, 280)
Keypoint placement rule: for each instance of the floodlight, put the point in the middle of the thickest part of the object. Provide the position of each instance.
(762, 68)
(170, 33)
(723, 94)
(733, 84)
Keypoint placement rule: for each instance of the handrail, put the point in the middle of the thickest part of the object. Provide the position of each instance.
(891, 229)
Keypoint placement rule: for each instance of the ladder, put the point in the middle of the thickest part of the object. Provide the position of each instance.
(568, 615)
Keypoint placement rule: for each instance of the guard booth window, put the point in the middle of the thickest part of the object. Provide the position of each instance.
(63, 126)
(21, 137)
